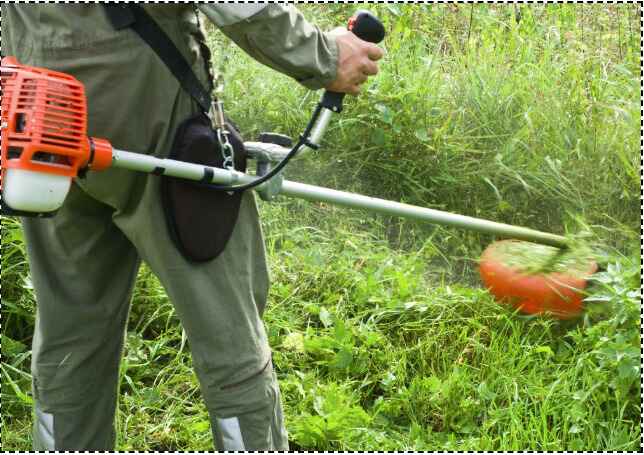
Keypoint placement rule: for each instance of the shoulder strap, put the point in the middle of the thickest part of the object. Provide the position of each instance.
(135, 17)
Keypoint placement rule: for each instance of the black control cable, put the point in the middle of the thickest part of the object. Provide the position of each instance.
(303, 141)
(365, 26)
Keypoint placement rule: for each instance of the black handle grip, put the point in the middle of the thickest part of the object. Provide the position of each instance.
(367, 27)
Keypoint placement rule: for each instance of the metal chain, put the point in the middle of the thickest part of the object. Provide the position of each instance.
(227, 150)
(217, 117)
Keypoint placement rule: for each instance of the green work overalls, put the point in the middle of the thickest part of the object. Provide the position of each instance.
(85, 260)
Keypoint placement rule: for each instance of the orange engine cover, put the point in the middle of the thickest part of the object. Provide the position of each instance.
(44, 120)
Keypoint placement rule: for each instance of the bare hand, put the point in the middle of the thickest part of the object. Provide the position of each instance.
(356, 62)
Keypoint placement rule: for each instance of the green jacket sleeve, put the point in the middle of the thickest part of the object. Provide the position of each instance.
(280, 37)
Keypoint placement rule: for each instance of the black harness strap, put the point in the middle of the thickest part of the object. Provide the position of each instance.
(135, 17)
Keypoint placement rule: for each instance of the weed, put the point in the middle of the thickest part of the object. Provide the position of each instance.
(382, 336)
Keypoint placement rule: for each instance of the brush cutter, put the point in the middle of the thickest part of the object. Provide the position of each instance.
(45, 146)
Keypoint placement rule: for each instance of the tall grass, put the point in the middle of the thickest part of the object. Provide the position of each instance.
(532, 121)
(382, 337)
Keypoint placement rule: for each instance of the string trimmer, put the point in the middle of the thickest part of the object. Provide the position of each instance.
(45, 146)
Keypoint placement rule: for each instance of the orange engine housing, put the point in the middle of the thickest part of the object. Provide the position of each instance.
(44, 118)
(44, 122)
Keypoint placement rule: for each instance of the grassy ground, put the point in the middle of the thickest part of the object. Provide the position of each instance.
(382, 336)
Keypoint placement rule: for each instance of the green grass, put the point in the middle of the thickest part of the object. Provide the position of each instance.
(382, 336)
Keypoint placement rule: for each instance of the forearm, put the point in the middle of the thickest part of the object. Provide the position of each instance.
(280, 37)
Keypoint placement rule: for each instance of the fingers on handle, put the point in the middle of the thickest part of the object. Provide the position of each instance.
(369, 68)
(374, 52)
(361, 79)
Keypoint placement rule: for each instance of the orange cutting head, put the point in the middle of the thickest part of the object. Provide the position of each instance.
(558, 292)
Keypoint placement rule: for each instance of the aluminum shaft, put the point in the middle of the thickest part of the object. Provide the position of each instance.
(357, 201)
(149, 164)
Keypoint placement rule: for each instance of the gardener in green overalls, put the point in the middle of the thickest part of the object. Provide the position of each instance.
(85, 260)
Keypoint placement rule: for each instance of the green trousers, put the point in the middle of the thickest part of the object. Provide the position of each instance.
(84, 262)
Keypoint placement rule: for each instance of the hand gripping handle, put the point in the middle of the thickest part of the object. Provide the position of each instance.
(367, 27)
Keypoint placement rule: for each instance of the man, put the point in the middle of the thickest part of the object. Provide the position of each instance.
(85, 260)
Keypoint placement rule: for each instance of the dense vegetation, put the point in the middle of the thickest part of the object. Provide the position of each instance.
(382, 336)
